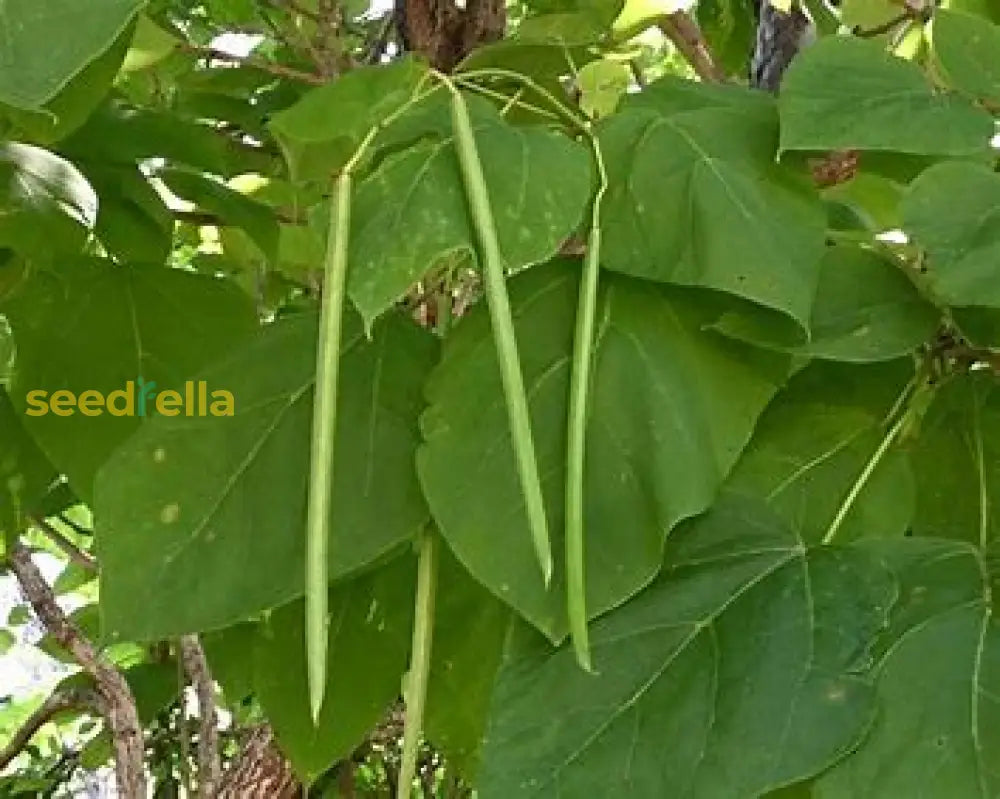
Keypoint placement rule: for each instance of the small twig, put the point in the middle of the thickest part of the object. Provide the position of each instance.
(280, 70)
(119, 707)
(687, 37)
(75, 554)
(58, 702)
(196, 667)
(907, 15)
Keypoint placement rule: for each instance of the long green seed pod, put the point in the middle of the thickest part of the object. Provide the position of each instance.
(323, 434)
(415, 694)
(576, 585)
(576, 437)
(503, 330)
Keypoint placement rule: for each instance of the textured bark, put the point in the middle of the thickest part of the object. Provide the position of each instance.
(116, 701)
(780, 36)
(260, 771)
(196, 668)
(443, 33)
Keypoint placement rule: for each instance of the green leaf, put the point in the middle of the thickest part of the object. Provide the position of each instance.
(953, 210)
(93, 325)
(187, 549)
(7, 641)
(470, 628)
(230, 658)
(740, 670)
(322, 130)
(133, 223)
(47, 205)
(967, 49)
(412, 211)
(848, 93)
(865, 310)
(370, 621)
(935, 732)
(150, 44)
(69, 109)
(118, 134)
(812, 444)
(729, 25)
(47, 42)
(602, 12)
(956, 460)
(232, 207)
(25, 473)
(154, 686)
(602, 86)
(696, 199)
(671, 408)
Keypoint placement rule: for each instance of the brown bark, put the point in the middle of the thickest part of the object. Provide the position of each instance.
(443, 33)
(116, 700)
(260, 771)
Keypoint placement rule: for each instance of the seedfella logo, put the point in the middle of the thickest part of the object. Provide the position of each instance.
(138, 398)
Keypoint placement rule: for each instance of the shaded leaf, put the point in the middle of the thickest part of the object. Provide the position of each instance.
(938, 714)
(93, 325)
(470, 627)
(232, 207)
(956, 460)
(370, 620)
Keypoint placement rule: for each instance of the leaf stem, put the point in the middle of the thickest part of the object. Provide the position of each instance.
(420, 661)
(503, 328)
(864, 477)
(583, 355)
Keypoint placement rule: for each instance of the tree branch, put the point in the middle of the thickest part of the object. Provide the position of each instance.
(280, 70)
(118, 703)
(296, 8)
(196, 667)
(687, 37)
(75, 554)
(58, 702)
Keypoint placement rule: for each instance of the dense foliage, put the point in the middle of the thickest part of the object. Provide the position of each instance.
(774, 401)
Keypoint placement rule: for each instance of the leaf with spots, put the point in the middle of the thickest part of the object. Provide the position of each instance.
(94, 325)
(200, 520)
(744, 667)
(937, 725)
(696, 199)
(671, 407)
(412, 210)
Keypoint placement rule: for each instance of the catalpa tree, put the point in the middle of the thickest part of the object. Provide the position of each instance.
(571, 398)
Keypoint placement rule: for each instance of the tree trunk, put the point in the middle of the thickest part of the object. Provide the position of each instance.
(443, 33)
